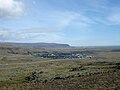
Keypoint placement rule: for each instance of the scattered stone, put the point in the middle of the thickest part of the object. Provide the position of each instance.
(62, 77)
(33, 76)
(45, 81)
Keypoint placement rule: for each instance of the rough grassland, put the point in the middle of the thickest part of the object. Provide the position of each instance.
(25, 72)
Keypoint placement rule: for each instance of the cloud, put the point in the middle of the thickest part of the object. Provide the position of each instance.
(50, 30)
(59, 20)
(28, 35)
(7, 34)
(11, 8)
(105, 13)
(114, 18)
(39, 30)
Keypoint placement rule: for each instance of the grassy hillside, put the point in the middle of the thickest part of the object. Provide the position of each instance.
(21, 71)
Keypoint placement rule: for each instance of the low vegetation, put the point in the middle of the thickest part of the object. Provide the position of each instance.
(28, 72)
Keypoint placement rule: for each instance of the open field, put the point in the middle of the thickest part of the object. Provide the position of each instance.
(21, 71)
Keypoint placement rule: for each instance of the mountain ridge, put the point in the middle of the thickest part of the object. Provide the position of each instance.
(36, 45)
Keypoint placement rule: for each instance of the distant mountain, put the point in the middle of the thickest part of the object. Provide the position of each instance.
(36, 45)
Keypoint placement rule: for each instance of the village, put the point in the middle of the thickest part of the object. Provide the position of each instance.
(63, 55)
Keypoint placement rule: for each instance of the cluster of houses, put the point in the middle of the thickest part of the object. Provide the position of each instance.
(64, 55)
(58, 55)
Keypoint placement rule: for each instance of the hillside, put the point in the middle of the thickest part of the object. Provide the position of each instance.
(36, 45)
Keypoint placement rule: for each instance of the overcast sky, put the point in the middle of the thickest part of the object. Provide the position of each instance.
(75, 22)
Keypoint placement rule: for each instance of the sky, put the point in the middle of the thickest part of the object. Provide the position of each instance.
(74, 22)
